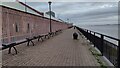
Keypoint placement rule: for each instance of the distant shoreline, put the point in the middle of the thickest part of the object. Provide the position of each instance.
(106, 24)
(101, 25)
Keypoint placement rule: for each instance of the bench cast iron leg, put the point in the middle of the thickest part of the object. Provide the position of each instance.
(15, 50)
(9, 52)
(28, 43)
(32, 42)
(39, 39)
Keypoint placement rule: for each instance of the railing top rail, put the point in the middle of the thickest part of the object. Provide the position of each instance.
(103, 34)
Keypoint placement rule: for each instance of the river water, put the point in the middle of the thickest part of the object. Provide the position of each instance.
(110, 30)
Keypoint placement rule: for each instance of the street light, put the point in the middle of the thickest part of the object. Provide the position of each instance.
(50, 15)
(25, 6)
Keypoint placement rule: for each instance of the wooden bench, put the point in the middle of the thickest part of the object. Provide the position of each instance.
(28, 40)
(12, 45)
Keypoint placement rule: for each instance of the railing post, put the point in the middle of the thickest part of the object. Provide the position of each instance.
(87, 35)
(118, 59)
(94, 39)
(102, 46)
(90, 36)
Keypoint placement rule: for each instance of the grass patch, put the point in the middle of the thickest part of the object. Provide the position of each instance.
(97, 56)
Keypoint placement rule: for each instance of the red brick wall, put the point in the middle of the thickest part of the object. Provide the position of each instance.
(38, 25)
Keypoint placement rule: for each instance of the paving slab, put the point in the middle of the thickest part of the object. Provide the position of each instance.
(60, 50)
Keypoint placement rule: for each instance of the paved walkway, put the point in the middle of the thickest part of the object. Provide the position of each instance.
(61, 50)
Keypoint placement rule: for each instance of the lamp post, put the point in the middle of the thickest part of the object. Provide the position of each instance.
(50, 15)
(25, 6)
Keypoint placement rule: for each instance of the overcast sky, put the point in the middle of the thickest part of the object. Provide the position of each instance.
(90, 13)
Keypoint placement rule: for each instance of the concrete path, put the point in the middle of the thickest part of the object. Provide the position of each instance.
(61, 50)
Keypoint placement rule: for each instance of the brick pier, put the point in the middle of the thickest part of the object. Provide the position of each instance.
(60, 50)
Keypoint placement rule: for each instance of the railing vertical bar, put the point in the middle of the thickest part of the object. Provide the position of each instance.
(90, 36)
(94, 39)
(102, 42)
(118, 59)
(87, 35)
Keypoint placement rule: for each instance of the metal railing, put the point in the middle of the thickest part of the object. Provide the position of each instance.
(108, 49)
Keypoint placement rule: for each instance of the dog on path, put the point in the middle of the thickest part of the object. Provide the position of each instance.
(75, 36)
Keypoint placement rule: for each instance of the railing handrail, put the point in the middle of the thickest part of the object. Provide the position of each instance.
(103, 34)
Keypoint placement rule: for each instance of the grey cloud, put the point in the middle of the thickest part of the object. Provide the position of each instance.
(82, 12)
(94, 15)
